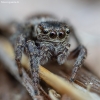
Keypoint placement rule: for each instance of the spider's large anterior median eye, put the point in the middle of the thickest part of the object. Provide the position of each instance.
(53, 35)
(61, 35)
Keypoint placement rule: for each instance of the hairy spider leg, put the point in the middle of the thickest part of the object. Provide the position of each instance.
(34, 63)
(82, 53)
(18, 52)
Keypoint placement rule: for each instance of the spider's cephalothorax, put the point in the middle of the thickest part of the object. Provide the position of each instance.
(52, 31)
(43, 40)
(52, 37)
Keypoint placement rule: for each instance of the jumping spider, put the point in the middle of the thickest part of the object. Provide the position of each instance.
(44, 38)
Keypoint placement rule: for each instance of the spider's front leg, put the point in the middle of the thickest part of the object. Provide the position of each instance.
(38, 56)
(82, 53)
(34, 63)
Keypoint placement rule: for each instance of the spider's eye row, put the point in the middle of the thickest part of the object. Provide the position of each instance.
(53, 34)
(67, 31)
(61, 35)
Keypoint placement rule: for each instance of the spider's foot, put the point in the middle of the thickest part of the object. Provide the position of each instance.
(71, 80)
(19, 68)
(20, 74)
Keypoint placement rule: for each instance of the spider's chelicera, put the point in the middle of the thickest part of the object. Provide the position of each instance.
(43, 40)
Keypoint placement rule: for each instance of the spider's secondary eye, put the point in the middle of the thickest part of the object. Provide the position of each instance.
(68, 31)
(45, 31)
(53, 35)
(61, 35)
(39, 28)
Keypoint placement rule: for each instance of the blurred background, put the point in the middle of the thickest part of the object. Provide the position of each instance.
(84, 15)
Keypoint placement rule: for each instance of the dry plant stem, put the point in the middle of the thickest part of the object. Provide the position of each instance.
(54, 95)
(60, 85)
